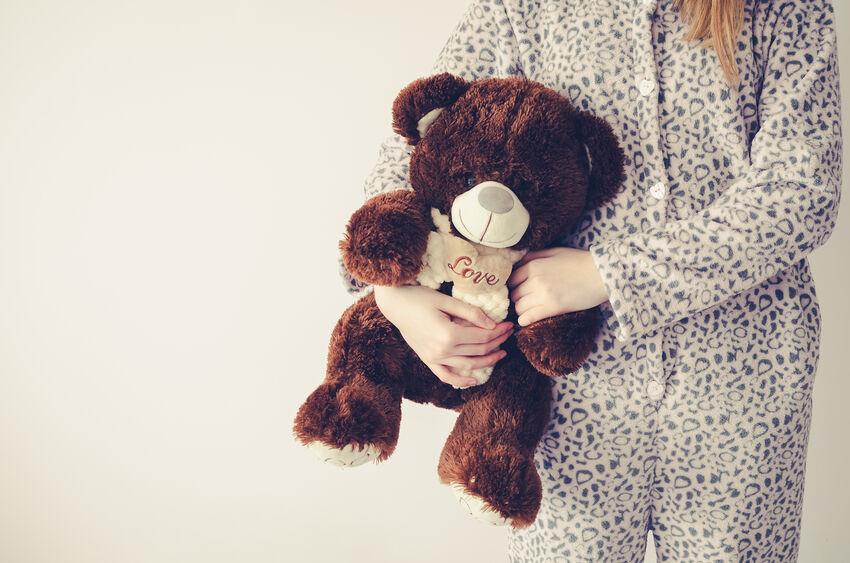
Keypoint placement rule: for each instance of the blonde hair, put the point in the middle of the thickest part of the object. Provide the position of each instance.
(715, 23)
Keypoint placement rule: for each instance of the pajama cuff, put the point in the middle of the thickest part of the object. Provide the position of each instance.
(615, 274)
(353, 286)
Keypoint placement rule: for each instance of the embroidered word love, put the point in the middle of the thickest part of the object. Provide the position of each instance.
(477, 276)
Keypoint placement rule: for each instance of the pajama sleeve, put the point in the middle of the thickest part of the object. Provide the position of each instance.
(771, 217)
(483, 45)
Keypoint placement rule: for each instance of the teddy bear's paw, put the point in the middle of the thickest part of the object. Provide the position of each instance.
(351, 455)
(559, 345)
(478, 507)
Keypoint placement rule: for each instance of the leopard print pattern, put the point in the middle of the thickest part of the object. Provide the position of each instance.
(691, 417)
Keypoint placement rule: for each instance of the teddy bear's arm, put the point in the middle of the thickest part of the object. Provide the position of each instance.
(386, 239)
(559, 345)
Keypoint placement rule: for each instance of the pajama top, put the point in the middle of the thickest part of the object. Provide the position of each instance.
(691, 416)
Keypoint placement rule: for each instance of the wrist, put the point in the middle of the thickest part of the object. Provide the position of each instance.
(596, 287)
(391, 301)
(380, 292)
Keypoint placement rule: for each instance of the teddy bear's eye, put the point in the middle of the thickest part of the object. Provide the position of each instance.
(469, 179)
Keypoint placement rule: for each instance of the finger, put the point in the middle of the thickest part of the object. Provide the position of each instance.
(533, 315)
(471, 313)
(475, 362)
(520, 291)
(448, 376)
(483, 349)
(463, 335)
(525, 304)
(518, 276)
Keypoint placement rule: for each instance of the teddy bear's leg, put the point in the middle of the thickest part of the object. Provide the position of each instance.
(353, 416)
(488, 459)
(560, 345)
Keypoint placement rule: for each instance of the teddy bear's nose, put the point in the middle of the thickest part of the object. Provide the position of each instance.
(495, 199)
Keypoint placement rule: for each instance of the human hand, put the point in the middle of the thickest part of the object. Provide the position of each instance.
(550, 282)
(423, 316)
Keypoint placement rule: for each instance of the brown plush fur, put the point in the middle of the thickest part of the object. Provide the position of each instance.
(386, 239)
(532, 140)
(360, 400)
(560, 345)
(529, 138)
(607, 170)
(421, 97)
(490, 451)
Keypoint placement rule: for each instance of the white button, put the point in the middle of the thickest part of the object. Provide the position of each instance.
(655, 390)
(646, 86)
(658, 191)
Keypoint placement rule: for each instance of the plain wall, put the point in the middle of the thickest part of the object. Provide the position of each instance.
(174, 177)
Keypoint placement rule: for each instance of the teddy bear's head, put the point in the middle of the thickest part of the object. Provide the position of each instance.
(511, 162)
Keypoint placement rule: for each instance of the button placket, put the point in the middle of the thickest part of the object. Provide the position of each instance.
(654, 169)
(647, 86)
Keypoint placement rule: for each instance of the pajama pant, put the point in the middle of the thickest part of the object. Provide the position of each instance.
(709, 456)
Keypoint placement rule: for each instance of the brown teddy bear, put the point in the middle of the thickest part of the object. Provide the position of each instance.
(499, 167)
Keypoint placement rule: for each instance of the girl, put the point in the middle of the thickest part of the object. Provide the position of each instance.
(691, 416)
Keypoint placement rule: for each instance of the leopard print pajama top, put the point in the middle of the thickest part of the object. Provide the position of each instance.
(692, 414)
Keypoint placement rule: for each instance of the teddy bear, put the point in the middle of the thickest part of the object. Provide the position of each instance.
(499, 167)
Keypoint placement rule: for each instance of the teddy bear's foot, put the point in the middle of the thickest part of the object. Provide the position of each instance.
(478, 507)
(348, 425)
(494, 482)
(351, 455)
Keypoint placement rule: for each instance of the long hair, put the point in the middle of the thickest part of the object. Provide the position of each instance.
(715, 24)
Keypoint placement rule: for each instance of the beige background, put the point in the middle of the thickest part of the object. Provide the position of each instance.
(174, 176)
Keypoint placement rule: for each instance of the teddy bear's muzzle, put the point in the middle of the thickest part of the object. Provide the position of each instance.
(490, 214)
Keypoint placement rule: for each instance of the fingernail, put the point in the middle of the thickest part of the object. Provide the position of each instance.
(470, 382)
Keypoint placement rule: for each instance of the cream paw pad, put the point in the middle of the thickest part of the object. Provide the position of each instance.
(351, 455)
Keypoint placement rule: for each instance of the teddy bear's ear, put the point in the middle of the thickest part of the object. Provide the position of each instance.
(605, 158)
(419, 104)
